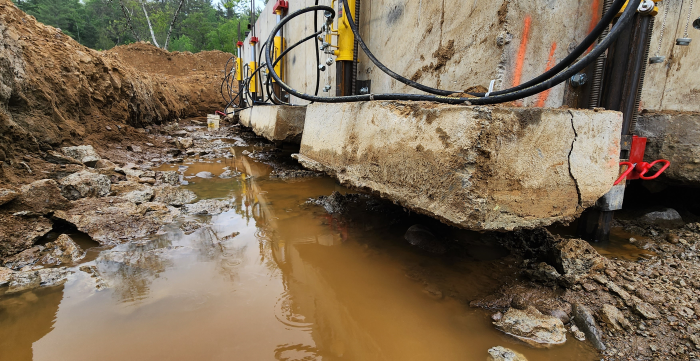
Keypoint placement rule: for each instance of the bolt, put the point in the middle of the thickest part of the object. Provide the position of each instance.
(579, 80)
(364, 90)
(327, 88)
(646, 7)
(656, 60)
(683, 41)
(329, 61)
(322, 67)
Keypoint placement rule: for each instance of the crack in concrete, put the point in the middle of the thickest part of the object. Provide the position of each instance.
(578, 189)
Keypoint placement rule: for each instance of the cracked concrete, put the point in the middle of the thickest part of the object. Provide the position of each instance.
(481, 168)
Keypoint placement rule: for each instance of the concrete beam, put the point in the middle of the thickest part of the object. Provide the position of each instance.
(674, 136)
(276, 123)
(480, 168)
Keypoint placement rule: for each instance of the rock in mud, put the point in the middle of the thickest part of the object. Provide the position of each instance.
(612, 316)
(125, 187)
(586, 323)
(25, 258)
(24, 280)
(19, 233)
(643, 308)
(7, 195)
(188, 227)
(92, 271)
(532, 327)
(53, 276)
(421, 237)
(544, 273)
(62, 251)
(5, 275)
(576, 259)
(114, 220)
(42, 196)
(85, 184)
(208, 207)
(85, 154)
(59, 159)
(499, 353)
(664, 218)
(184, 143)
(204, 174)
(229, 174)
(134, 148)
(171, 178)
(173, 195)
(105, 164)
(140, 196)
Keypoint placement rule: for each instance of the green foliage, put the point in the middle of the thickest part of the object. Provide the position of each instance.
(101, 24)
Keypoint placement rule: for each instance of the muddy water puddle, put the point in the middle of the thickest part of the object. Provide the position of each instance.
(273, 278)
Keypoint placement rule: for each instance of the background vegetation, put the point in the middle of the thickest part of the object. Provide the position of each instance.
(101, 24)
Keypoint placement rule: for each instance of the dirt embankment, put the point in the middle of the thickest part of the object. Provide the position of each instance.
(55, 92)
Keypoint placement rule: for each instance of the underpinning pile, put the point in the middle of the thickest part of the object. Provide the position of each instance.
(55, 92)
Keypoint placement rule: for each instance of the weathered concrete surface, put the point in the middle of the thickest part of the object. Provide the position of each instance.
(480, 168)
(244, 117)
(674, 136)
(276, 123)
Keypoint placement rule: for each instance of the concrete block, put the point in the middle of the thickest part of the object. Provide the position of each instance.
(480, 168)
(674, 136)
(277, 123)
(244, 117)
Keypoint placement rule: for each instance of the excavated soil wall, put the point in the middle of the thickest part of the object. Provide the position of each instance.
(55, 92)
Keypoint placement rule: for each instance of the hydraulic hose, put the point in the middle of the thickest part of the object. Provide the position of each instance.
(620, 26)
(601, 27)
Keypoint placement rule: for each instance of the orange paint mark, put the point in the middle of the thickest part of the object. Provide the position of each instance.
(550, 63)
(595, 19)
(520, 60)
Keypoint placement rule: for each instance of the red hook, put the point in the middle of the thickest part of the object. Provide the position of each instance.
(630, 168)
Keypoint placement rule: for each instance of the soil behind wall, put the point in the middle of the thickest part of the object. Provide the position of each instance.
(55, 92)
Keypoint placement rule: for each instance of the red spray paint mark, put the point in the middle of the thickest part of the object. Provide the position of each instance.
(595, 18)
(520, 60)
(550, 63)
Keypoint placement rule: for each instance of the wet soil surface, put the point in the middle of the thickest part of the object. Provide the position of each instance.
(270, 261)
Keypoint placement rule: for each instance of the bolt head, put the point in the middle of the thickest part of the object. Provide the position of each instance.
(579, 79)
(683, 41)
(322, 67)
(656, 60)
(329, 61)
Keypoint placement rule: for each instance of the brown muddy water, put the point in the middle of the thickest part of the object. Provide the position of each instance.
(272, 279)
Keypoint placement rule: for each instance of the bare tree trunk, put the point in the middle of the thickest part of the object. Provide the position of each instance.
(148, 20)
(167, 39)
(128, 19)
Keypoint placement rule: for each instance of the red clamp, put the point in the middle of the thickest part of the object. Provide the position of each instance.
(636, 167)
(254, 40)
(281, 6)
(239, 44)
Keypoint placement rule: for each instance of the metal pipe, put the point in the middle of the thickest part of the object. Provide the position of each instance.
(597, 79)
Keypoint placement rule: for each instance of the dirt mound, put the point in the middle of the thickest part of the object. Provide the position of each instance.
(55, 92)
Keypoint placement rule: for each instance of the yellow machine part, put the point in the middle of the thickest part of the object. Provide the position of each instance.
(253, 66)
(239, 67)
(280, 45)
(653, 13)
(346, 39)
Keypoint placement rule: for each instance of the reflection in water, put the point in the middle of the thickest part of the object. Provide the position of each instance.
(273, 278)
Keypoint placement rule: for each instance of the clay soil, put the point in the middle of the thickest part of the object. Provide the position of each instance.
(55, 92)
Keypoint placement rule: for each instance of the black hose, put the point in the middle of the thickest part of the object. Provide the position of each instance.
(620, 26)
(580, 49)
(318, 56)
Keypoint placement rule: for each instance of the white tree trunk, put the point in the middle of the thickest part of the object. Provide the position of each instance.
(128, 20)
(167, 39)
(148, 20)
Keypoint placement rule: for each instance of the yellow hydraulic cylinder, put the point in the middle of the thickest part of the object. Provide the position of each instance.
(346, 39)
(239, 66)
(280, 45)
(253, 66)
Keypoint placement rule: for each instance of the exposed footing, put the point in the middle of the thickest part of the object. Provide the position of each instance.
(481, 168)
(276, 123)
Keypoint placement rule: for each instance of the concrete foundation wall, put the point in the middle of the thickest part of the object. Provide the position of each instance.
(481, 168)
(276, 123)
(460, 44)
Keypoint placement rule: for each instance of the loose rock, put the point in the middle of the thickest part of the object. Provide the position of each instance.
(532, 327)
(208, 207)
(42, 196)
(85, 184)
(505, 354)
(612, 316)
(5, 275)
(586, 323)
(172, 195)
(664, 218)
(140, 196)
(62, 251)
(84, 154)
(7, 195)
